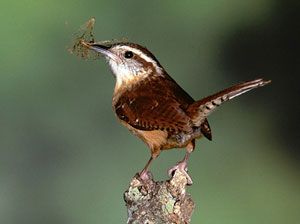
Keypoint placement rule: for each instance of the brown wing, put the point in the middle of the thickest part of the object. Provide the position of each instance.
(153, 107)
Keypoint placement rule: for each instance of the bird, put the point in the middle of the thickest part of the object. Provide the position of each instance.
(150, 103)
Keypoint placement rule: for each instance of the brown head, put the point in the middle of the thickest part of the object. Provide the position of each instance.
(129, 62)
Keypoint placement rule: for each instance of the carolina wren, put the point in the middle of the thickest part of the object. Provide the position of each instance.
(154, 107)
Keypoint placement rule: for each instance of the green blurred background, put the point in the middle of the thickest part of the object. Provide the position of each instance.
(64, 158)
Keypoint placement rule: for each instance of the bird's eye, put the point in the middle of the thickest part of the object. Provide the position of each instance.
(128, 54)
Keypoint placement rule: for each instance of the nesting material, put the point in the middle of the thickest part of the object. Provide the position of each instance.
(83, 37)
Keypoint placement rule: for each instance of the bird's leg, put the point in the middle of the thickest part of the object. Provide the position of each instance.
(144, 173)
(182, 165)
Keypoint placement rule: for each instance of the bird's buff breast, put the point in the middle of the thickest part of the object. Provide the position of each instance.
(154, 139)
(157, 140)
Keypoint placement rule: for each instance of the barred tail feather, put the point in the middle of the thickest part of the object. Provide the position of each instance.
(199, 110)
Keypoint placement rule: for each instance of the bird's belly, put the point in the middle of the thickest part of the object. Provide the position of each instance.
(179, 140)
(154, 139)
(162, 140)
(182, 139)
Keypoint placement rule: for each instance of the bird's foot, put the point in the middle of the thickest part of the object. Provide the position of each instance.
(182, 167)
(142, 179)
(145, 175)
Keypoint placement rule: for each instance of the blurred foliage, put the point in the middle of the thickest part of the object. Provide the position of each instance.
(65, 158)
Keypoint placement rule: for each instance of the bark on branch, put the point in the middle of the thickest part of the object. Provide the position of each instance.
(151, 202)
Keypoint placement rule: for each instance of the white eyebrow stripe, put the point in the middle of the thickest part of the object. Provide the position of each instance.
(140, 53)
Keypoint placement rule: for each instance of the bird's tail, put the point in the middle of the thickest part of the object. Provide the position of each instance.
(199, 110)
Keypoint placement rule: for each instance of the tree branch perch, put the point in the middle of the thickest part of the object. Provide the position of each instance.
(151, 202)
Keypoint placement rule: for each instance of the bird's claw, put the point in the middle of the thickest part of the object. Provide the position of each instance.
(182, 167)
(145, 175)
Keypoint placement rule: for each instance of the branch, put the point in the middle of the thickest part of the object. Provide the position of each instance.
(151, 202)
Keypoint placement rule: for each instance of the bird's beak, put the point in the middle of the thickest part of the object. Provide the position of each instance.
(103, 49)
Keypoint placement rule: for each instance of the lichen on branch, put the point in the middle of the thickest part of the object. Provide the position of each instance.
(151, 202)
